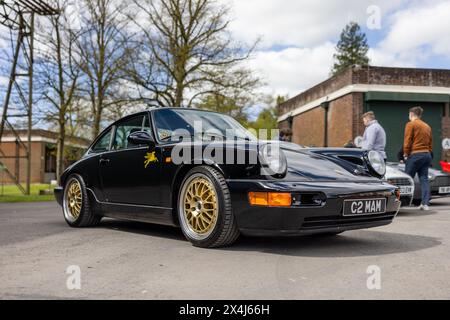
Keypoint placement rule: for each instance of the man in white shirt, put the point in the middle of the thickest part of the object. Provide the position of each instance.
(374, 136)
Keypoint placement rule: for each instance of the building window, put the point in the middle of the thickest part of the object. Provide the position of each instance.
(50, 158)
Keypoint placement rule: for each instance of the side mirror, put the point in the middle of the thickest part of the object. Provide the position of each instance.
(141, 138)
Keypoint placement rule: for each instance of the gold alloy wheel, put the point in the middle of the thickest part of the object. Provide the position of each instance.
(200, 206)
(74, 199)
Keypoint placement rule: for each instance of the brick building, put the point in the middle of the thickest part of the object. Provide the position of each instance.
(43, 154)
(329, 114)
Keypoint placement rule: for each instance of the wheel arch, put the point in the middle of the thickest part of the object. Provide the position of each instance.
(95, 205)
(75, 172)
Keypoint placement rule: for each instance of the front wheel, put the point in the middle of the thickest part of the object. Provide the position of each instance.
(204, 209)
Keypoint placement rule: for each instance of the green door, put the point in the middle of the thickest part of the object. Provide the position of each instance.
(393, 116)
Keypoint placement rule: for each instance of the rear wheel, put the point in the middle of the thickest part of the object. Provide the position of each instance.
(76, 207)
(204, 209)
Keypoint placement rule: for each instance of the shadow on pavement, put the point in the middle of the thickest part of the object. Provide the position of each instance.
(149, 229)
(351, 244)
(413, 212)
(436, 204)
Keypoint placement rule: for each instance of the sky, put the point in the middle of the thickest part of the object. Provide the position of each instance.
(298, 37)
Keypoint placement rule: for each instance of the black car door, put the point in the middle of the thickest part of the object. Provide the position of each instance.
(130, 173)
(91, 164)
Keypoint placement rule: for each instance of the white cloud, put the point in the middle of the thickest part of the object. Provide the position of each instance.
(304, 30)
(292, 70)
(417, 35)
(420, 26)
(298, 37)
(4, 37)
(386, 58)
(3, 81)
(302, 23)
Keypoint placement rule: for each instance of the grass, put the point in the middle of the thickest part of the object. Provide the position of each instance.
(10, 193)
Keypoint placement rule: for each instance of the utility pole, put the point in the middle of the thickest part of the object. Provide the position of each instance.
(19, 16)
(30, 104)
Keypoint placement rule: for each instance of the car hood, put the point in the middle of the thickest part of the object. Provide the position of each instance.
(394, 172)
(308, 164)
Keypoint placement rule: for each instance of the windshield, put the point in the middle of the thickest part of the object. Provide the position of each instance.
(172, 125)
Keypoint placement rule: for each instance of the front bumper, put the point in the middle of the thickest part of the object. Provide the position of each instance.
(293, 221)
(59, 195)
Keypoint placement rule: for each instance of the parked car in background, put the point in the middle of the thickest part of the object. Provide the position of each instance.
(403, 181)
(439, 183)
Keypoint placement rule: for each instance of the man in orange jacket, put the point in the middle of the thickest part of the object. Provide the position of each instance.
(417, 148)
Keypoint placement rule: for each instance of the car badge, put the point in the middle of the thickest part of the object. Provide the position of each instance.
(150, 157)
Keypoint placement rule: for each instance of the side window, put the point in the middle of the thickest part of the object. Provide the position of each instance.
(102, 145)
(123, 130)
(147, 127)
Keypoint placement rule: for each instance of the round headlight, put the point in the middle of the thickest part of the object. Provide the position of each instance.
(272, 159)
(377, 163)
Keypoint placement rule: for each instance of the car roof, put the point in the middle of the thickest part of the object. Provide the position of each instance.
(150, 109)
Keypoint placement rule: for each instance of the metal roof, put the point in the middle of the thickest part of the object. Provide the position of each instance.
(12, 10)
(37, 6)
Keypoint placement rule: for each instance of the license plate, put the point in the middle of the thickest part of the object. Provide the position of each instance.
(364, 207)
(444, 190)
(406, 190)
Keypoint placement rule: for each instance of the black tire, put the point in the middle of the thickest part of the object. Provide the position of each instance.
(417, 202)
(86, 217)
(224, 232)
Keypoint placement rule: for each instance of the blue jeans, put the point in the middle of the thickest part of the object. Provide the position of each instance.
(418, 164)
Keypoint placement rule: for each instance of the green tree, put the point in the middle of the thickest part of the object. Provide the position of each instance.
(267, 119)
(231, 106)
(351, 49)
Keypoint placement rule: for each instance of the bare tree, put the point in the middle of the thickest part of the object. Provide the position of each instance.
(105, 50)
(80, 120)
(187, 52)
(57, 75)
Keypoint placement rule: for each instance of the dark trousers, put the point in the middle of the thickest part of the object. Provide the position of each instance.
(419, 163)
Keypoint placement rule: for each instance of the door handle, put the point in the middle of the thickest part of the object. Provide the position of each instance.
(104, 161)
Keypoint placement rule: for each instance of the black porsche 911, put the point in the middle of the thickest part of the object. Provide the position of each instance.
(223, 182)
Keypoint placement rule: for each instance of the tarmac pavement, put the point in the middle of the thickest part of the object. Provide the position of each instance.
(40, 255)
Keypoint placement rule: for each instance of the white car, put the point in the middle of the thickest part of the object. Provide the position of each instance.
(403, 181)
